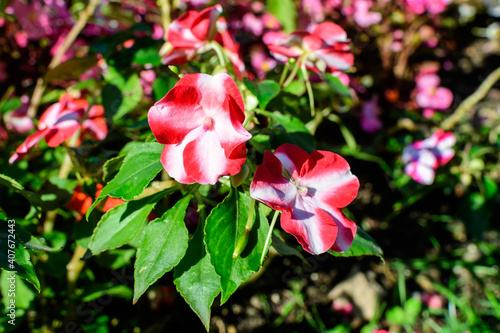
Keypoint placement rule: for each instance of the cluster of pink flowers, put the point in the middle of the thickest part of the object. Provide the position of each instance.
(62, 120)
(429, 95)
(422, 158)
(433, 7)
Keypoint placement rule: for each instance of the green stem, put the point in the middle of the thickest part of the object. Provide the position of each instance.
(284, 73)
(470, 101)
(293, 73)
(348, 137)
(310, 93)
(164, 6)
(216, 47)
(269, 234)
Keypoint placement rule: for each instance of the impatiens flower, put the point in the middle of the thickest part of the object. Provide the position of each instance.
(326, 49)
(429, 95)
(260, 61)
(431, 6)
(189, 35)
(81, 202)
(370, 121)
(200, 121)
(423, 157)
(62, 120)
(18, 120)
(310, 190)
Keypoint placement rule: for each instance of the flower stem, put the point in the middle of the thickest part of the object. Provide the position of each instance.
(470, 101)
(56, 60)
(269, 234)
(216, 47)
(293, 73)
(284, 73)
(310, 93)
(164, 6)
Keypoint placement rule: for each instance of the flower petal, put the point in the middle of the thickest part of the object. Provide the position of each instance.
(270, 187)
(313, 227)
(346, 230)
(292, 158)
(205, 160)
(204, 26)
(179, 31)
(176, 114)
(30, 141)
(328, 179)
(330, 32)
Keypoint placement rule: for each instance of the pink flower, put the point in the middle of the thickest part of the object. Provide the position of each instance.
(18, 120)
(433, 301)
(310, 190)
(422, 158)
(369, 116)
(362, 15)
(260, 61)
(189, 33)
(200, 122)
(147, 77)
(61, 121)
(324, 50)
(429, 95)
(431, 6)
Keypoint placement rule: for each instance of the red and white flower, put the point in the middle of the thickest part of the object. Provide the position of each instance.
(310, 190)
(62, 120)
(190, 33)
(422, 158)
(326, 49)
(200, 121)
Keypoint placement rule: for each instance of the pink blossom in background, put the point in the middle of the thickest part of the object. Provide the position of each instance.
(431, 6)
(429, 95)
(422, 158)
(260, 61)
(362, 14)
(17, 120)
(370, 121)
(325, 49)
(310, 190)
(346, 309)
(433, 301)
(157, 31)
(61, 121)
(200, 122)
(146, 78)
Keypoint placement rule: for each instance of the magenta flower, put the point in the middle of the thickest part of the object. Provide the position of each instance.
(370, 121)
(326, 49)
(422, 158)
(62, 120)
(200, 123)
(431, 6)
(362, 14)
(260, 61)
(310, 190)
(429, 95)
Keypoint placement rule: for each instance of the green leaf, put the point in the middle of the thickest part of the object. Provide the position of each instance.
(265, 91)
(121, 95)
(290, 130)
(111, 167)
(23, 294)
(195, 277)
(225, 224)
(117, 291)
(362, 245)
(139, 167)
(336, 85)
(164, 243)
(122, 223)
(71, 69)
(30, 242)
(285, 249)
(10, 104)
(285, 12)
(19, 189)
(14, 257)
